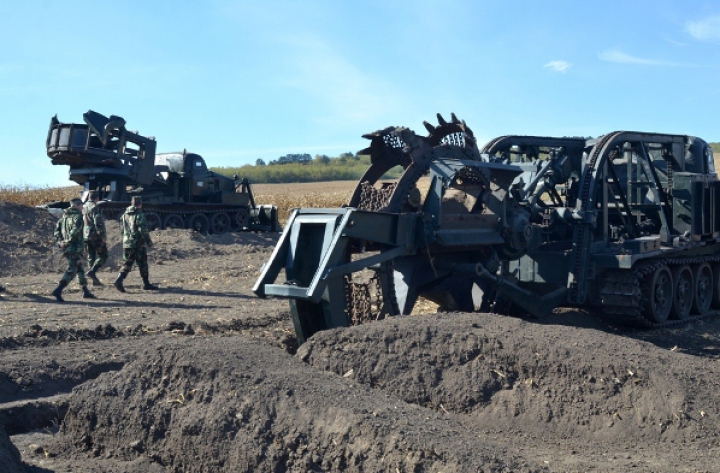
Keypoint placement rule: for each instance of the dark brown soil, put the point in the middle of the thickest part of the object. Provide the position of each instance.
(201, 376)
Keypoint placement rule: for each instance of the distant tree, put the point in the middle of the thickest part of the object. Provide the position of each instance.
(294, 158)
(259, 162)
(322, 159)
(345, 157)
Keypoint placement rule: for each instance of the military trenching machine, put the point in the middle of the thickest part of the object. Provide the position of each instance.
(178, 190)
(628, 222)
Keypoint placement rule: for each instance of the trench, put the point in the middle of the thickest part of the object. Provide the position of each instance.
(35, 396)
(45, 404)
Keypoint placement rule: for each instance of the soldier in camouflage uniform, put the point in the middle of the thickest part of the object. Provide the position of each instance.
(136, 241)
(68, 236)
(95, 236)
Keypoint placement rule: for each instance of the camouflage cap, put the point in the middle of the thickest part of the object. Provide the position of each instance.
(75, 202)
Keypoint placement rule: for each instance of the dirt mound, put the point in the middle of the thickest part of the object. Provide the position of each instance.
(26, 240)
(510, 375)
(201, 405)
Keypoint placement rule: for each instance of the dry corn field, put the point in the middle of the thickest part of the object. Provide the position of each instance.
(285, 196)
(309, 194)
(32, 196)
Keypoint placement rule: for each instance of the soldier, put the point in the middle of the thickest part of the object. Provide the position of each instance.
(68, 236)
(95, 236)
(136, 241)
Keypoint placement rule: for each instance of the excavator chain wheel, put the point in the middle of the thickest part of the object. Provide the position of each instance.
(373, 294)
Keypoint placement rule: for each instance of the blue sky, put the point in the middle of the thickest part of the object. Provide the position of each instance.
(240, 80)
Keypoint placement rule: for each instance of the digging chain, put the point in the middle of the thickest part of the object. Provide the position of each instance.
(365, 300)
(372, 199)
(469, 176)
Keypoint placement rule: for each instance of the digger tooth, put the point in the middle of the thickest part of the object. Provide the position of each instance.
(454, 118)
(441, 120)
(429, 127)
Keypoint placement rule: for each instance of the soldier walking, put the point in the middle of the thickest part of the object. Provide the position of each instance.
(95, 236)
(68, 236)
(136, 241)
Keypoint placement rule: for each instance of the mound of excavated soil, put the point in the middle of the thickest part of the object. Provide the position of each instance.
(207, 404)
(512, 375)
(26, 240)
(580, 390)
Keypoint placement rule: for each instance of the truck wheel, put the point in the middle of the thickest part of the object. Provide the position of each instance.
(684, 289)
(657, 291)
(199, 223)
(220, 223)
(241, 220)
(703, 288)
(174, 221)
(153, 221)
(716, 286)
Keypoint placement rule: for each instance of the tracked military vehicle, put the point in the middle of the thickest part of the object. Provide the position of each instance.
(178, 190)
(628, 224)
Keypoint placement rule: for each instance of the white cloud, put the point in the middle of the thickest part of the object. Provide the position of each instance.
(705, 30)
(558, 66)
(615, 55)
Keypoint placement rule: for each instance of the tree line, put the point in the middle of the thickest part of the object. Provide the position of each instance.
(304, 168)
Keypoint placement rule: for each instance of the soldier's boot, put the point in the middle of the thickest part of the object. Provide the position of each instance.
(94, 278)
(58, 291)
(147, 286)
(119, 282)
(87, 294)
